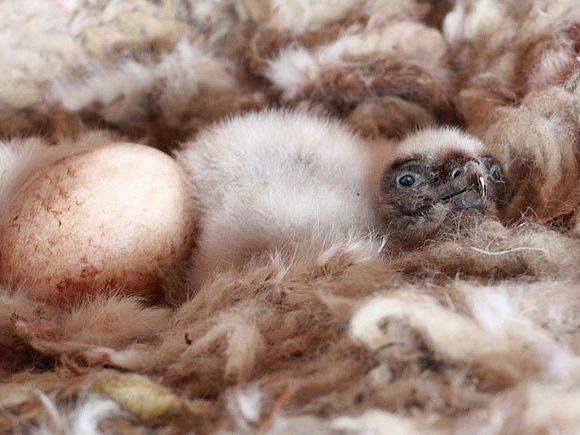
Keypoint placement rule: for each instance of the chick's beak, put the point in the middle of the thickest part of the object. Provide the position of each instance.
(465, 187)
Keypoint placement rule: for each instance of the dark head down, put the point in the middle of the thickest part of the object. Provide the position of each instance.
(437, 179)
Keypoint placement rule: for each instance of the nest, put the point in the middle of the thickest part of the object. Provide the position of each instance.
(476, 332)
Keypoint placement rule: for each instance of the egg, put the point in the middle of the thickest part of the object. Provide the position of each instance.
(112, 217)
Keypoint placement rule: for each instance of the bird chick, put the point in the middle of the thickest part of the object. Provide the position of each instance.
(437, 179)
(265, 182)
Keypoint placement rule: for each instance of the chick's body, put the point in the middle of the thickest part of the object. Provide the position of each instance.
(267, 181)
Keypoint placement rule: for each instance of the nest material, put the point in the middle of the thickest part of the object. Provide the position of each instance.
(476, 332)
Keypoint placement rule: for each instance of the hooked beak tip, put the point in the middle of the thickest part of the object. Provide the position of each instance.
(481, 182)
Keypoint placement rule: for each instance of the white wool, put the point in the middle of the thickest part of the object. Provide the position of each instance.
(246, 405)
(560, 363)
(552, 61)
(295, 69)
(452, 334)
(86, 417)
(129, 357)
(212, 13)
(292, 71)
(453, 25)
(381, 374)
(379, 422)
(492, 426)
(405, 40)
(431, 142)
(486, 17)
(299, 16)
(553, 409)
(55, 418)
(29, 56)
(250, 401)
(550, 67)
(267, 181)
(491, 309)
(175, 79)
(532, 408)
(421, 312)
(185, 70)
(104, 86)
(498, 311)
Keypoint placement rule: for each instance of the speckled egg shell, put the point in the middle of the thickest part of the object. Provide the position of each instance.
(111, 217)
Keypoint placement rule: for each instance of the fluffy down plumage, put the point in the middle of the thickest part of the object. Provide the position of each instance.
(268, 181)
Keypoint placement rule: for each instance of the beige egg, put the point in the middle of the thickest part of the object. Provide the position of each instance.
(111, 217)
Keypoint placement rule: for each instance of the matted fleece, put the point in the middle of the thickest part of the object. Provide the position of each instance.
(476, 332)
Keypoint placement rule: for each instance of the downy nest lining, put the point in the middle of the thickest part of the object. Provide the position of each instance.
(308, 274)
(276, 345)
(336, 331)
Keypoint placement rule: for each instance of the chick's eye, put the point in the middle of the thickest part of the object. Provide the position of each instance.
(406, 180)
(495, 172)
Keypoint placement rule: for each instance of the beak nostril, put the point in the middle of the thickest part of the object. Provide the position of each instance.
(456, 173)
